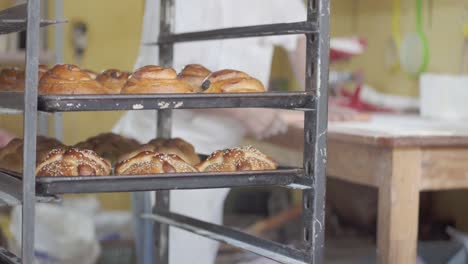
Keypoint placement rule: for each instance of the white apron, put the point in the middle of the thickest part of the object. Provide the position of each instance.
(209, 133)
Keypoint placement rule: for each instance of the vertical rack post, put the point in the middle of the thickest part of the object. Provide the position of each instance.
(43, 118)
(30, 131)
(164, 126)
(315, 127)
(58, 46)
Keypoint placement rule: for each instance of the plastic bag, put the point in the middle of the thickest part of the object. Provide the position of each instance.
(114, 225)
(63, 235)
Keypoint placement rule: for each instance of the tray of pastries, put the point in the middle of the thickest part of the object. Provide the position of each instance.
(66, 87)
(111, 163)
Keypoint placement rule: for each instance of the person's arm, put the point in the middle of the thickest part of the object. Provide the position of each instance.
(257, 122)
(5, 137)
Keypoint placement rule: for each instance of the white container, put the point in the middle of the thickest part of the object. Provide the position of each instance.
(444, 96)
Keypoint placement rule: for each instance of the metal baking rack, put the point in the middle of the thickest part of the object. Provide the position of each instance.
(310, 178)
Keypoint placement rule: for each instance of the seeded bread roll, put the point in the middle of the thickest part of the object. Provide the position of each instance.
(237, 159)
(69, 79)
(232, 81)
(154, 79)
(113, 80)
(72, 162)
(149, 162)
(194, 75)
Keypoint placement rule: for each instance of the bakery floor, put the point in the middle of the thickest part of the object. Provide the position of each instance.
(338, 250)
(345, 247)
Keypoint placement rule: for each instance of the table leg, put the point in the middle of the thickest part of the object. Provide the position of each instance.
(398, 209)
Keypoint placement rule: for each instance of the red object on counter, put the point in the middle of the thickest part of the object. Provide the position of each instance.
(353, 100)
(338, 52)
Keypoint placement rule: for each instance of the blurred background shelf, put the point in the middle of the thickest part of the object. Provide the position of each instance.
(17, 57)
(13, 19)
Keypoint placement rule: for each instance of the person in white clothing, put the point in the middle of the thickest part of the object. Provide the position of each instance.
(210, 130)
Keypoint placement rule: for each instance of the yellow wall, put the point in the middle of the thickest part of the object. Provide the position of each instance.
(114, 28)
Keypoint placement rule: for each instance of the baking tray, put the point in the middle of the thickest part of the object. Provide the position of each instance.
(65, 103)
(176, 181)
(76, 103)
(48, 187)
(305, 27)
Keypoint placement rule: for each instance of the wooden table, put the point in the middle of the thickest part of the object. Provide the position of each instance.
(401, 156)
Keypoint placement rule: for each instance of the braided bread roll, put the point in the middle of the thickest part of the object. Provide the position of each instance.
(69, 79)
(11, 156)
(237, 159)
(194, 75)
(72, 162)
(109, 145)
(113, 80)
(154, 79)
(176, 146)
(232, 81)
(149, 162)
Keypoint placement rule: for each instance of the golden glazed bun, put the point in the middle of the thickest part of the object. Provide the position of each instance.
(113, 80)
(8, 79)
(194, 75)
(21, 76)
(154, 79)
(109, 145)
(69, 79)
(13, 79)
(237, 159)
(148, 162)
(232, 81)
(92, 74)
(72, 162)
